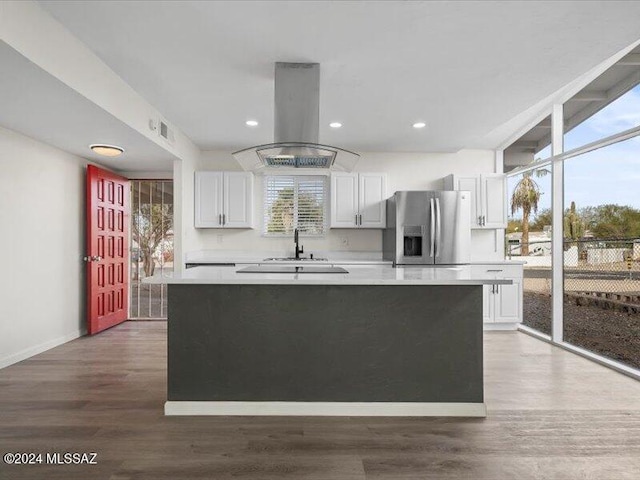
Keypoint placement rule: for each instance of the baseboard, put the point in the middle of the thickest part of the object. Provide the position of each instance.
(488, 327)
(35, 350)
(324, 409)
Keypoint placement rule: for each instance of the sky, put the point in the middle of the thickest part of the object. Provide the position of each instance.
(608, 175)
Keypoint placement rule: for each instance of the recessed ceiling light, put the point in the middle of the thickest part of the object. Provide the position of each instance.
(251, 123)
(335, 124)
(107, 150)
(419, 125)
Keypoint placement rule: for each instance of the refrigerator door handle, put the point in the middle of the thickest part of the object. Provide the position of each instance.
(432, 235)
(438, 227)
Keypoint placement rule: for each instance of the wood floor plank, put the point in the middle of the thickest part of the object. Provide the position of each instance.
(552, 415)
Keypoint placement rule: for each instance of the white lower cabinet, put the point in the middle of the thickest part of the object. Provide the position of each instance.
(502, 304)
(508, 302)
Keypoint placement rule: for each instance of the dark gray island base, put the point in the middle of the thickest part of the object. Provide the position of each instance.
(283, 349)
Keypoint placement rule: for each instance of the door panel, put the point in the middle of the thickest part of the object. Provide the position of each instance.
(494, 190)
(453, 232)
(471, 184)
(508, 302)
(372, 200)
(487, 303)
(108, 213)
(344, 200)
(208, 200)
(238, 195)
(415, 226)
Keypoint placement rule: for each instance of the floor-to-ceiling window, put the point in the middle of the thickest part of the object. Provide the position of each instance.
(601, 294)
(602, 251)
(528, 238)
(594, 187)
(529, 233)
(151, 246)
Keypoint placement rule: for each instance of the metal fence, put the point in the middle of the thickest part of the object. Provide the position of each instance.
(151, 246)
(603, 272)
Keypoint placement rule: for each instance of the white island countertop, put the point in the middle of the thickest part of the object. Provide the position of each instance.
(358, 275)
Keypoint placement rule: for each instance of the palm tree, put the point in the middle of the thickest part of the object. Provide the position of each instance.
(525, 197)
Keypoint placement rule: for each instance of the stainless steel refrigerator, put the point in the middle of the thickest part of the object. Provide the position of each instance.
(428, 228)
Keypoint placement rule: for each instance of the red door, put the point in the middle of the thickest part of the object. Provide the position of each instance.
(107, 258)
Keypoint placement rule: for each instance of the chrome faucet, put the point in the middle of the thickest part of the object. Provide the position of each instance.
(299, 249)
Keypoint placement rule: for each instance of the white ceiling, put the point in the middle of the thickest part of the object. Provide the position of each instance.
(464, 68)
(38, 105)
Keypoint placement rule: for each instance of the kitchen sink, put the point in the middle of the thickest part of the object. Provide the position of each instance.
(291, 269)
(294, 259)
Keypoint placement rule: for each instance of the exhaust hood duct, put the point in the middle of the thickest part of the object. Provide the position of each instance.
(297, 121)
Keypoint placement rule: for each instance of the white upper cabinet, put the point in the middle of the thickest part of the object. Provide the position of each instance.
(224, 200)
(208, 199)
(494, 200)
(488, 197)
(344, 200)
(372, 200)
(238, 200)
(358, 200)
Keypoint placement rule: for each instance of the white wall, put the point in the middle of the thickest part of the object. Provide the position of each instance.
(42, 244)
(405, 171)
(30, 30)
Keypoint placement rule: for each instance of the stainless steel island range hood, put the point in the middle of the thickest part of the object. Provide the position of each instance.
(296, 118)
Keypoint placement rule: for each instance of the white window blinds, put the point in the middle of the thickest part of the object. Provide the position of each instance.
(294, 202)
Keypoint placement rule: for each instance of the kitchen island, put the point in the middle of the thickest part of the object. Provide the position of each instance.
(375, 341)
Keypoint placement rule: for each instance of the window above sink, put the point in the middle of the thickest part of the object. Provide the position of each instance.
(294, 201)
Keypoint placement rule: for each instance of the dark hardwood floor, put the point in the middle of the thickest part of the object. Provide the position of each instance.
(552, 415)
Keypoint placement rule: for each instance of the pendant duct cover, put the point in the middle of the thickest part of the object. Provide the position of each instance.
(297, 116)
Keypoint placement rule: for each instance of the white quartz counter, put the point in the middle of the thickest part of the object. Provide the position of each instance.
(358, 275)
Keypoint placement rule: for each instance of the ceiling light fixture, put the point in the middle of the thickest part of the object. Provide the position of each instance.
(251, 123)
(419, 125)
(335, 124)
(107, 150)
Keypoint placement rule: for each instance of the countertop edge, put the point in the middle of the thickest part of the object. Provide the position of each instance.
(323, 281)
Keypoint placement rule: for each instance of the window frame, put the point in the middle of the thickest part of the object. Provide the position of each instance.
(297, 178)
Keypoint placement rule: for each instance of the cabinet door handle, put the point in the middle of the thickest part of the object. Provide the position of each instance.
(224, 219)
(484, 221)
(480, 220)
(356, 219)
(219, 219)
(497, 270)
(360, 219)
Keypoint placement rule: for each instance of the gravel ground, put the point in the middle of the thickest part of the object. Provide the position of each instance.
(610, 333)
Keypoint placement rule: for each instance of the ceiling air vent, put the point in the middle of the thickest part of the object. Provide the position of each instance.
(165, 132)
